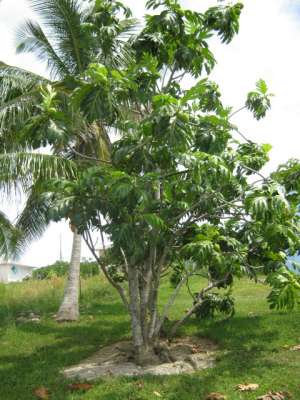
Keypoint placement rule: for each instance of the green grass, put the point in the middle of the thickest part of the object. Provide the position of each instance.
(252, 345)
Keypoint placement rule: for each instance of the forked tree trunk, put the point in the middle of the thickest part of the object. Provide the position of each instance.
(142, 290)
(69, 309)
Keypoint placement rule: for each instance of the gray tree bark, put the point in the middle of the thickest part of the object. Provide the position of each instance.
(69, 309)
(138, 342)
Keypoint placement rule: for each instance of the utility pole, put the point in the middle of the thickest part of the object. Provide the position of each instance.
(60, 247)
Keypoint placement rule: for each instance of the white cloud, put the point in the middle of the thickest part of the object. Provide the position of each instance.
(267, 47)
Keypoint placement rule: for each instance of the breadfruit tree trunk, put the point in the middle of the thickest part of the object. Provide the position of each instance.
(69, 309)
(143, 285)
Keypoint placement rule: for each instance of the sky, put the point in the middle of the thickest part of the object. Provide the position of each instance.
(267, 47)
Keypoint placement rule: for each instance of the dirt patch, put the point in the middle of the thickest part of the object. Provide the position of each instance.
(188, 355)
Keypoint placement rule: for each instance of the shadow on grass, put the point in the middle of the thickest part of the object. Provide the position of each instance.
(59, 345)
(42, 350)
(247, 352)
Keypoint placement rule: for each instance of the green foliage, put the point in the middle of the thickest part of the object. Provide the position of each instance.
(213, 303)
(178, 178)
(289, 176)
(224, 20)
(60, 269)
(177, 273)
(178, 189)
(259, 102)
(179, 37)
(285, 289)
(35, 112)
(253, 156)
(72, 35)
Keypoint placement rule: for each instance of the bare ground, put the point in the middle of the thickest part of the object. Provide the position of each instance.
(185, 356)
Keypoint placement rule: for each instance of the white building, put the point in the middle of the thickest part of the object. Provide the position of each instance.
(13, 272)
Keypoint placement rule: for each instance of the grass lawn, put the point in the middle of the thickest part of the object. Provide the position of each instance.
(252, 345)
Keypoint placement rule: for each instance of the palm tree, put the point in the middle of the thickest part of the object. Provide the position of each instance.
(8, 235)
(71, 36)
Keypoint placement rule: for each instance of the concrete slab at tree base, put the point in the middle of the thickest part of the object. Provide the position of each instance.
(190, 354)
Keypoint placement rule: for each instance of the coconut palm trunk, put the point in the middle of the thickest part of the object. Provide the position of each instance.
(69, 309)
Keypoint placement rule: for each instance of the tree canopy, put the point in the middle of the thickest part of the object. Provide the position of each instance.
(182, 194)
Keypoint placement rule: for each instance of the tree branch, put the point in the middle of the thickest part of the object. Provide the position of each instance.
(243, 136)
(175, 173)
(196, 304)
(88, 157)
(170, 78)
(179, 76)
(255, 172)
(88, 240)
(237, 111)
(170, 304)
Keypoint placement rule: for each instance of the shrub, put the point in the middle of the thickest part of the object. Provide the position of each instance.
(60, 268)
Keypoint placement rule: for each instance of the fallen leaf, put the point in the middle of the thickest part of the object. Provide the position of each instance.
(215, 396)
(247, 387)
(41, 393)
(275, 396)
(80, 386)
(295, 348)
(157, 394)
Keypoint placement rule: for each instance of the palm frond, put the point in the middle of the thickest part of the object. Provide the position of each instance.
(23, 169)
(127, 28)
(17, 79)
(19, 92)
(32, 39)
(63, 21)
(112, 42)
(14, 112)
(121, 50)
(8, 236)
(33, 220)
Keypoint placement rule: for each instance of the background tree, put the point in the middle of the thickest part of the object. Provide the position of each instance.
(72, 36)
